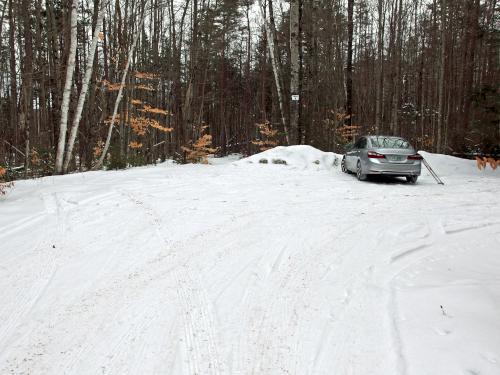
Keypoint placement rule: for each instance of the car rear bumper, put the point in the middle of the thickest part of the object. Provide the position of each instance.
(394, 169)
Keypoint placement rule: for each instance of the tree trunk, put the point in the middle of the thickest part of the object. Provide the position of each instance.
(468, 67)
(442, 62)
(27, 85)
(348, 76)
(85, 87)
(295, 136)
(63, 127)
(397, 79)
(276, 65)
(13, 75)
(380, 67)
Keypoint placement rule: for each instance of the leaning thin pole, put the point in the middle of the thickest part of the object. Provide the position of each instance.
(433, 174)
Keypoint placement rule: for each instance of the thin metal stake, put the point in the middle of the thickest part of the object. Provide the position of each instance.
(433, 174)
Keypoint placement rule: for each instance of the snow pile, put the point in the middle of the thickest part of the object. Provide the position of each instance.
(300, 157)
(446, 166)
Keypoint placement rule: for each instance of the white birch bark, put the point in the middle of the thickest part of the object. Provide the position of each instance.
(276, 68)
(119, 96)
(63, 126)
(85, 87)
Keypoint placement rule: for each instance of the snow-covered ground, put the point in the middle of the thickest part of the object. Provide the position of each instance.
(249, 268)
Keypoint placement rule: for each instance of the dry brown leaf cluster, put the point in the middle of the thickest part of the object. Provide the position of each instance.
(4, 185)
(145, 75)
(118, 118)
(200, 150)
(144, 87)
(110, 86)
(157, 111)
(483, 162)
(267, 137)
(135, 145)
(97, 151)
(140, 125)
(348, 131)
(35, 157)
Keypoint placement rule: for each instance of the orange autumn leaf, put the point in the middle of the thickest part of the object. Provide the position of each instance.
(135, 145)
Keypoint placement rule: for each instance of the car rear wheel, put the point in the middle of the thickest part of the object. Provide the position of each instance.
(342, 165)
(412, 179)
(359, 172)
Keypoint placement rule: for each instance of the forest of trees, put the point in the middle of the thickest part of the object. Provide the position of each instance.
(86, 83)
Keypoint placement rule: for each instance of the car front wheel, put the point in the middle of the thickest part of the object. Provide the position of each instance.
(359, 172)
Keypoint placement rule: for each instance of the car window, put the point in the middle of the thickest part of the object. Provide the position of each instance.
(360, 143)
(390, 142)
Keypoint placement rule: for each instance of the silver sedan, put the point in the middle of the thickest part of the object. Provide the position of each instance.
(382, 155)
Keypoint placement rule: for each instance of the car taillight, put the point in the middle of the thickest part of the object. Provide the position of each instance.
(375, 155)
(415, 157)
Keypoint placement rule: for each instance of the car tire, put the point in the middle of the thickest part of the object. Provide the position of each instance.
(359, 172)
(342, 165)
(411, 179)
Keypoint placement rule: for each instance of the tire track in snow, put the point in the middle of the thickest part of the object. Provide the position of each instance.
(45, 254)
(21, 224)
(42, 333)
(116, 348)
(273, 342)
(425, 250)
(198, 319)
(158, 270)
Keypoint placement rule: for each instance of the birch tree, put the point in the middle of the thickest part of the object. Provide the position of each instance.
(85, 86)
(270, 32)
(63, 126)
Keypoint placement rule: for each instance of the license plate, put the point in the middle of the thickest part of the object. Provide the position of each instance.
(396, 157)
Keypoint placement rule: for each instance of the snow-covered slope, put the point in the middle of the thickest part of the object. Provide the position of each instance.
(449, 166)
(250, 268)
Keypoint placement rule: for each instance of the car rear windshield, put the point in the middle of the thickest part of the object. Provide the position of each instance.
(389, 142)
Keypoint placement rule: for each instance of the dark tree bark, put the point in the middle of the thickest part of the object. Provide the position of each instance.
(348, 77)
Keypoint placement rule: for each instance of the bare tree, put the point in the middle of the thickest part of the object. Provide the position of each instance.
(70, 68)
(85, 86)
(350, 29)
(270, 32)
(380, 65)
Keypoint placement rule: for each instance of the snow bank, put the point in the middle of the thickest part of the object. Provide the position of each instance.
(446, 165)
(301, 157)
